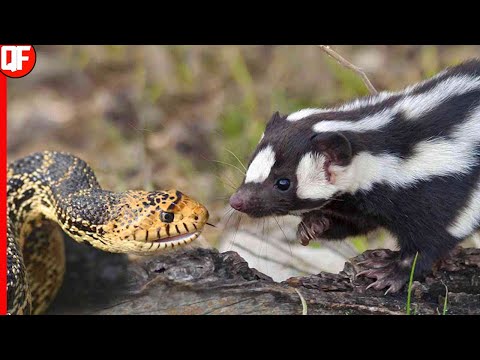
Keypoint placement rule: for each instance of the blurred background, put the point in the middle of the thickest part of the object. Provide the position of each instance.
(188, 117)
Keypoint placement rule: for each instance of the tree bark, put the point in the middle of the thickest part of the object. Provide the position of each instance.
(204, 281)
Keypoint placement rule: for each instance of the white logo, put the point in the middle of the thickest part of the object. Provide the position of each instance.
(17, 58)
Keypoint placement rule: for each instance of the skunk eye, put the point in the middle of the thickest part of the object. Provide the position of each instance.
(167, 217)
(282, 184)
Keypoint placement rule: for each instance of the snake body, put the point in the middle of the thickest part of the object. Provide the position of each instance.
(48, 192)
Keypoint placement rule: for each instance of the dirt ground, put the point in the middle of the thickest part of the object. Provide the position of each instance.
(154, 117)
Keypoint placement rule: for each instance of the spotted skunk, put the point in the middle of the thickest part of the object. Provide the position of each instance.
(406, 161)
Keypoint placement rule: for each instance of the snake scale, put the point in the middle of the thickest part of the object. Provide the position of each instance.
(48, 192)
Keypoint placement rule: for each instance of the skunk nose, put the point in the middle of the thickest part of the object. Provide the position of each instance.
(237, 202)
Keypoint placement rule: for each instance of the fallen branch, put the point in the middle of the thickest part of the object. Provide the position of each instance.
(205, 281)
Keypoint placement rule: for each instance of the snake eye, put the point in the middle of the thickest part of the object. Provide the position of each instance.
(167, 217)
(282, 184)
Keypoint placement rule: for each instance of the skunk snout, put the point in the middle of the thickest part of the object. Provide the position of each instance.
(238, 201)
(252, 202)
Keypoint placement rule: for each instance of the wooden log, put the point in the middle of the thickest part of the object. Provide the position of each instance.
(205, 281)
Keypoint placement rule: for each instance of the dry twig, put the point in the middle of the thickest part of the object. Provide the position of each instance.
(342, 61)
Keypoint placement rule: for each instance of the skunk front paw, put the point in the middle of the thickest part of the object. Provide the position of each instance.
(312, 227)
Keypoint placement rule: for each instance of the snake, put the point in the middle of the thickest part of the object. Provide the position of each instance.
(50, 193)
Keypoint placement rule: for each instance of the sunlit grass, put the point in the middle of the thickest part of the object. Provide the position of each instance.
(410, 282)
(304, 303)
(445, 302)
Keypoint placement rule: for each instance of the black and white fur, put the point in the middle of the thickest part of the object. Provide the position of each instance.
(406, 161)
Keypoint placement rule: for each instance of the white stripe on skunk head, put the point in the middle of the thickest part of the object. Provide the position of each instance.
(301, 114)
(373, 122)
(260, 167)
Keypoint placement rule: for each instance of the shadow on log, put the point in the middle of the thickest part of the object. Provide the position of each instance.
(204, 281)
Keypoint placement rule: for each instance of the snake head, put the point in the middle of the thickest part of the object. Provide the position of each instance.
(145, 222)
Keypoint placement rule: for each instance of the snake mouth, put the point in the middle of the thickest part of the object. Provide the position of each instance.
(140, 246)
(179, 239)
(144, 247)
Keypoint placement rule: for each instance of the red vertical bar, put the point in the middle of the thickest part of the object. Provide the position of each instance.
(3, 194)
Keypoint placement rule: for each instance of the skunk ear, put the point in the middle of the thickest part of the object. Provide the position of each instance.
(335, 146)
(275, 117)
